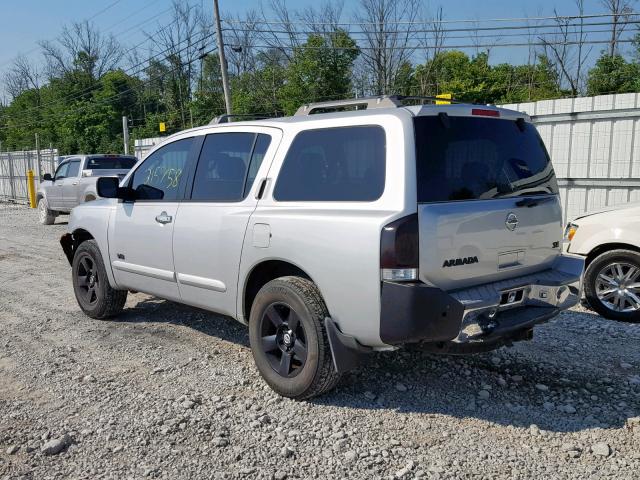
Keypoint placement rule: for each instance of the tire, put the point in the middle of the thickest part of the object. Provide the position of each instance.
(46, 216)
(91, 286)
(602, 281)
(273, 334)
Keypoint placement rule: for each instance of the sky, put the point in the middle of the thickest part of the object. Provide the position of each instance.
(25, 22)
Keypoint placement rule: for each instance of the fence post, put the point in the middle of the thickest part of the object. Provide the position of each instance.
(38, 158)
(52, 159)
(11, 177)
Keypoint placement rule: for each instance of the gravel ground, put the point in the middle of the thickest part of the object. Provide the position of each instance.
(167, 391)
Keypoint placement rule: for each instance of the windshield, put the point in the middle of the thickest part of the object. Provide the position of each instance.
(110, 163)
(470, 158)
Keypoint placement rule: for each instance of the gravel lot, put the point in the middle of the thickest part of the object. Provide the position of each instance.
(167, 391)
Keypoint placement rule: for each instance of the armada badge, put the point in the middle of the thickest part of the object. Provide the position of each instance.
(455, 262)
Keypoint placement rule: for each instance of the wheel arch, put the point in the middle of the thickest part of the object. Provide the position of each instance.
(71, 241)
(262, 273)
(607, 247)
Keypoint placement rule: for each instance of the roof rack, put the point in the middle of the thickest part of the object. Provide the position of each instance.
(366, 103)
(226, 118)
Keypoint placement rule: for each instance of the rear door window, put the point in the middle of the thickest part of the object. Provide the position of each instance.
(469, 158)
(228, 166)
(334, 164)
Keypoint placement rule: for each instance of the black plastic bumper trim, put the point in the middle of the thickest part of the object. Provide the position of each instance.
(415, 312)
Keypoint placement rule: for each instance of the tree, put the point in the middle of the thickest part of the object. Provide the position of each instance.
(620, 11)
(81, 46)
(388, 34)
(613, 74)
(319, 70)
(567, 49)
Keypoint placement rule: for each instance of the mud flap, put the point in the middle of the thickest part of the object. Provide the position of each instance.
(67, 246)
(345, 350)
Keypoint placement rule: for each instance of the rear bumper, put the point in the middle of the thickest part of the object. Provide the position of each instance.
(416, 312)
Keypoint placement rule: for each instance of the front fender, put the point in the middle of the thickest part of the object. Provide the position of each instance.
(91, 221)
(590, 236)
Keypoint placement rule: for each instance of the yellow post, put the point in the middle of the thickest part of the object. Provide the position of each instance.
(31, 186)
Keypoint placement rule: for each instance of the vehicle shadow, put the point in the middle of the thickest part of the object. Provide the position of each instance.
(558, 384)
(157, 310)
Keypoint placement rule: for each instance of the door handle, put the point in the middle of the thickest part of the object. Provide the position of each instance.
(164, 218)
(75, 183)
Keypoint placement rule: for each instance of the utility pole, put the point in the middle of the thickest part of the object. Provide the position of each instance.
(125, 134)
(223, 60)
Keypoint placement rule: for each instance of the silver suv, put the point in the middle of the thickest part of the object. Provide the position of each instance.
(335, 233)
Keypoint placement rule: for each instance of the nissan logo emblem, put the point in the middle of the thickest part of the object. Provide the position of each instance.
(511, 222)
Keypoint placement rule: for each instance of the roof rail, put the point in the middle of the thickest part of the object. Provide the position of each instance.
(366, 103)
(381, 101)
(226, 118)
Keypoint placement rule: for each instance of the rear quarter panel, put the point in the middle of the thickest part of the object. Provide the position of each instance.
(337, 243)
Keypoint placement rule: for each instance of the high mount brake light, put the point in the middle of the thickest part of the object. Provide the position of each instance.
(485, 112)
(399, 250)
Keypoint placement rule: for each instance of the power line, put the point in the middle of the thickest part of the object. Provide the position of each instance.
(79, 108)
(432, 21)
(28, 52)
(440, 47)
(113, 4)
(469, 29)
(129, 71)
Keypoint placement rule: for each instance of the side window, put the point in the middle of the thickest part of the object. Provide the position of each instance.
(334, 164)
(158, 177)
(61, 171)
(74, 168)
(226, 162)
(259, 150)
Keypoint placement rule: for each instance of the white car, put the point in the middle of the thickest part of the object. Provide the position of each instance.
(609, 240)
(332, 234)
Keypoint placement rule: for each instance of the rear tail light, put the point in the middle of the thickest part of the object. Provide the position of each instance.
(485, 112)
(399, 250)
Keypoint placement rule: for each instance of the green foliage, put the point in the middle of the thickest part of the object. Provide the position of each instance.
(79, 113)
(321, 69)
(473, 79)
(613, 74)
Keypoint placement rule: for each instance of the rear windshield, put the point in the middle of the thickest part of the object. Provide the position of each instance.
(110, 163)
(467, 158)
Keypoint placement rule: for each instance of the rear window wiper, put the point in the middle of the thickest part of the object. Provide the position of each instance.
(532, 202)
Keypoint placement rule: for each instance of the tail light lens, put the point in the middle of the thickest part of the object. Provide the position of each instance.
(399, 250)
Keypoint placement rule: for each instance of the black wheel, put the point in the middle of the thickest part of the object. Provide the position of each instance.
(288, 339)
(612, 285)
(46, 216)
(91, 286)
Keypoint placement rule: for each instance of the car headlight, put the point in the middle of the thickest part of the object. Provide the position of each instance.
(570, 231)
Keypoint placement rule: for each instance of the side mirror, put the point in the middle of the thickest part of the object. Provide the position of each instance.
(48, 177)
(107, 187)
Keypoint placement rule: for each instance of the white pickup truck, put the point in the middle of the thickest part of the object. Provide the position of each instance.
(75, 182)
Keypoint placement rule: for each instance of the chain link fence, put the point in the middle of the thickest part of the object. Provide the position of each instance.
(13, 171)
